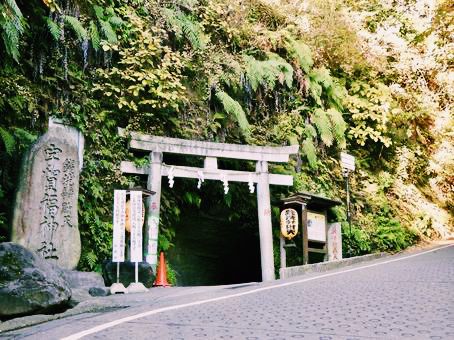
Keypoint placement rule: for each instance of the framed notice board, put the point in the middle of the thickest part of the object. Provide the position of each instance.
(316, 226)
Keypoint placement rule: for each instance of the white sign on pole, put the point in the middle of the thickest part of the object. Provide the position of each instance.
(347, 161)
(119, 219)
(316, 227)
(136, 226)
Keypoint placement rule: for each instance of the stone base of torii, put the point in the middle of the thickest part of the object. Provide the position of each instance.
(211, 151)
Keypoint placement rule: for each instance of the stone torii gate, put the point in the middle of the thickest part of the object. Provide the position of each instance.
(211, 151)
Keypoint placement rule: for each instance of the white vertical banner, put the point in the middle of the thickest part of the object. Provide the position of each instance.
(136, 226)
(119, 219)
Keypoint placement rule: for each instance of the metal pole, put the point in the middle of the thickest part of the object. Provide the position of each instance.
(349, 219)
(137, 271)
(304, 233)
(118, 272)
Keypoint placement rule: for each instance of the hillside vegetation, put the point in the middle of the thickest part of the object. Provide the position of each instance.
(373, 78)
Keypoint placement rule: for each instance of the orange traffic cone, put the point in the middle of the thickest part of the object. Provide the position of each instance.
(161, 277)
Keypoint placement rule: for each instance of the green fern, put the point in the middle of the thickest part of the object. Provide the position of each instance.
(10, 37)
(172, 21)
(116, 21)
(315, 90)
(285, 74)
(231, 75)
(76, 26)
(184, 26)
(338, 126)
(266, 73)
(292, 139)
(8, 141)
(321, 82)
(54, 29)
(92, 259)
(192, 32)
(300, 52)
(234, 108)
(99, 12)
(13, 7)
(322, 77)
(309, 151)
(255, 73)
(335, 96)
(12, 26)
(106, 18)
(108, 31)
(310, 131)
(94, 36)
(323, 124)
(23, 137)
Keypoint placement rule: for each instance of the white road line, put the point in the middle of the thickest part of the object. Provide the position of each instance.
(196, 303)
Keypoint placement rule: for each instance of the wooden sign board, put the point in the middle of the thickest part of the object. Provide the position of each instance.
(136, 226)
(316, 227)
(119, 219)
(347, 161)
(289, 223)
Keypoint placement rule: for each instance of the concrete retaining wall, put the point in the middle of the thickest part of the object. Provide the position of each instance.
(325, 266)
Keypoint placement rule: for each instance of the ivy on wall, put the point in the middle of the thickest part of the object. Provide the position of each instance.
(242, 72)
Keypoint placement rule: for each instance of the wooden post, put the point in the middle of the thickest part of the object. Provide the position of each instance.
(153, 208)
(265, 229)
(283, 253)
(305, 236)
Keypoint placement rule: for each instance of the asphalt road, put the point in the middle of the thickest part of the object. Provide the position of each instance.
(398, 297)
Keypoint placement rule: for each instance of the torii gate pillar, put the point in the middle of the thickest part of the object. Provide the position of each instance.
(265, 229)
(153, 206)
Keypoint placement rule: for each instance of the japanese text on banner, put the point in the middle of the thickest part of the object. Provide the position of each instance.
(119, 221)
(136, 226)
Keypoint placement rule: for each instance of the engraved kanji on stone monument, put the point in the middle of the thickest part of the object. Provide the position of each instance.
(45, 212)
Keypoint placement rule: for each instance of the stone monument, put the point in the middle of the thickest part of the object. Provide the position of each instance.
(45, 211)
(334, 239)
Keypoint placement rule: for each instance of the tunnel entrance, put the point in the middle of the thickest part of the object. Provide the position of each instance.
(210, 250)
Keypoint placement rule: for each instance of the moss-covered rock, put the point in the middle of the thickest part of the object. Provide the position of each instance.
(29, 284)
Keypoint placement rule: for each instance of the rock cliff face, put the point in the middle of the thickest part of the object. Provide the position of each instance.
(29, 284)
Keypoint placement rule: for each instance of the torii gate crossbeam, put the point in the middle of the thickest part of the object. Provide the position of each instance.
(211, 151)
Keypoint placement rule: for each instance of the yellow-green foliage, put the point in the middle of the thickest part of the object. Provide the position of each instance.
(370, 107)
(332, 36)
(266, 14)
(147, 79)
